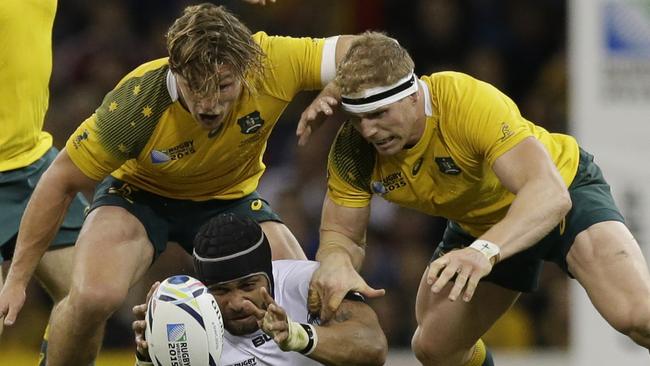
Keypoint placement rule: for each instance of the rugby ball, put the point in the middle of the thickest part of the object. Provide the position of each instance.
(184, 324)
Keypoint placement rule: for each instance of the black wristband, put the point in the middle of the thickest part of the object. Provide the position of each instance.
(311, 344)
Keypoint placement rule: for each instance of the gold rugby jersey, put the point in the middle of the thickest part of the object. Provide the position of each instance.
(25, 68)
(142, 135)
(448, 172)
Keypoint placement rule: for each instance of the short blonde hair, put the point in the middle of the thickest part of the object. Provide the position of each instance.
(207, 36)
(374, 59)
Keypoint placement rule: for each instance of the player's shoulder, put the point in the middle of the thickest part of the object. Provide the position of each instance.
(135, 105)
(146, 85)
(450, 80)
(352, 158)
(286, 267)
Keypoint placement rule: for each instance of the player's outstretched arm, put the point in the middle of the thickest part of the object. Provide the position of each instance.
(541, 201)
(340, 253)
(40, 223)
(352, 337)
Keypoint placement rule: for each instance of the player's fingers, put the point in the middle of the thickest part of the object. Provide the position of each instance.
(434, 269)
(471, 287)
(306, 118)
(3, 310)
(140, 310)
(331, 101)
(11, 316)
(444, 277)
(278, 313)
(304, 137)
(335, 299)
(139, 326)
(152, 290)
(325, 107)
(313, 301)
(268, 299)
(459, 284)
(250, 307)
(372, 293)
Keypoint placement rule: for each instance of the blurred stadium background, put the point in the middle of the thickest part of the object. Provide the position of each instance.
(520, 46)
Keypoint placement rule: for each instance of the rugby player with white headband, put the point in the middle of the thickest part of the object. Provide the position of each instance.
(264, 305)
(515, 196)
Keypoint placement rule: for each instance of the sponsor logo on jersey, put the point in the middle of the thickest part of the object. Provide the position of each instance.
(173, 153)
(247, 362)
(79, 138)
(250, 123)
(447, 165)
(261, 339)
(177, 344)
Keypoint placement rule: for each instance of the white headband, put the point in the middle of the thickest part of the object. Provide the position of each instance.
(374, 98)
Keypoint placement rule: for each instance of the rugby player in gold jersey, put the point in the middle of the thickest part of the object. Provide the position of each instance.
(179, 140)
(515, 195)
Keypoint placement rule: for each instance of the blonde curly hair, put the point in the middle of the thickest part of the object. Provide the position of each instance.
(207, 36)
(374, 59)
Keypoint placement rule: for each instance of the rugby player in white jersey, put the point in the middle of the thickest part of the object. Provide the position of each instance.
(264, 305)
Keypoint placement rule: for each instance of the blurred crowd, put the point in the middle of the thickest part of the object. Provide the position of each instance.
(517, 45)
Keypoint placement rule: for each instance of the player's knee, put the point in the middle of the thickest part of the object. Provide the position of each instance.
(637, 324)
(377, 353)
(98, 301)
(634, 321)
(427, 352)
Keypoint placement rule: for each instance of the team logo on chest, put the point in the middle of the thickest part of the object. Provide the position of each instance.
(447, 165)
(250, 123)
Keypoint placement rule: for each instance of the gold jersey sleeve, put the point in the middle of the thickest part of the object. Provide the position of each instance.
(122, 125)
(25, 68)
(350, 166)
(448, 172)
(292, 64)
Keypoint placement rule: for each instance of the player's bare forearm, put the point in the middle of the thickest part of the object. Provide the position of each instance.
(352, 337)
(343, 231)
(541, 202)
(336, 246)
(44, 214)
(533, 214)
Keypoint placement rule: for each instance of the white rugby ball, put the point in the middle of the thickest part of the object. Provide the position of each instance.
(184, 324)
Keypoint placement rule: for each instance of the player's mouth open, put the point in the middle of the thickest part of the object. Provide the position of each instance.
(384, 142)
(209, 120)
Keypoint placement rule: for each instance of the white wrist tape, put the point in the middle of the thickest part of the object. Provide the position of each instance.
(302, 337)
(489, 249)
